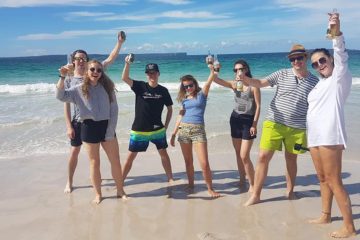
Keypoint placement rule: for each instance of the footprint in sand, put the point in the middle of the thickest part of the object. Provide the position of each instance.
(207, 236)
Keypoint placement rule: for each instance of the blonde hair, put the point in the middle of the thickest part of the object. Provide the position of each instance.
(182, 92)
(104, 80)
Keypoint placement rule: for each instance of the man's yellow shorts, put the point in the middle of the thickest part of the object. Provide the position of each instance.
(274, 134)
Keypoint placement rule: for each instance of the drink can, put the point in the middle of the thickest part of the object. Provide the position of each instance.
(123, 35)
(131, 57)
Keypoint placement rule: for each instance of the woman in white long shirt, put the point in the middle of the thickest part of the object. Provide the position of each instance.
(326, 128)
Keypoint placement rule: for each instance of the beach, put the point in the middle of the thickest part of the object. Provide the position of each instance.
(34, 152)
(33, 205)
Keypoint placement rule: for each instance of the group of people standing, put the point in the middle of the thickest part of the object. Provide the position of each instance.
(305, 111)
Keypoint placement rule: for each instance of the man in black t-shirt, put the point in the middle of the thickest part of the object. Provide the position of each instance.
(147, 126)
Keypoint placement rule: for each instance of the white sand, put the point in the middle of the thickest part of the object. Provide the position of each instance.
(33, 205)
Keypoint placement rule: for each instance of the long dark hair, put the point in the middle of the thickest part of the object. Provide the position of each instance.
(79, 51)
(103, 80)
(321, 50)
(245, 65)
(182, 92)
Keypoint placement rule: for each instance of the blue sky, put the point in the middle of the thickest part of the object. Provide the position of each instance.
(43, 27)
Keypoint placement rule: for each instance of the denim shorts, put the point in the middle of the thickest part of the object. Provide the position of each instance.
(191, 133)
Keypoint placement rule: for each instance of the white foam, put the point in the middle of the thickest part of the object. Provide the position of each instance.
(121, 87)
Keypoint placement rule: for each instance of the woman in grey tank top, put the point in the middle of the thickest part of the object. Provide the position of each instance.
(243, 120)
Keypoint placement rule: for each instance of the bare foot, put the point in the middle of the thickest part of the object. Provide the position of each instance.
(213, 194)
(291, 196)
(121, 194)
(68, 188)
(252, 200)
(97, 200)
(171, 180)
(343, 233)
(323, 219)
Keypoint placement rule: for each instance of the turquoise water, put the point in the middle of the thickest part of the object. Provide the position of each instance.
(43, 69)
(32, 121)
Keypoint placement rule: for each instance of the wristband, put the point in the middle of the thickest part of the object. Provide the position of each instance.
(61, 76)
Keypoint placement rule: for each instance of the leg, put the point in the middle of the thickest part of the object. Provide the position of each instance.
(128, 164)
(245, 156)
(111, 149)
(260, 175)
(291, 166)
(331, 158)
(186, 149)
(237, 147)
(326, 193)
(202, 154)
(73, 160)
(94, 157)
(165, 160)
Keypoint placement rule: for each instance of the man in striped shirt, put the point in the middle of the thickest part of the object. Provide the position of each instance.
(285, 122)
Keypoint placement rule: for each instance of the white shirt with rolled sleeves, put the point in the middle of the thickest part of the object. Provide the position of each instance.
(325, 117)
(98, 107)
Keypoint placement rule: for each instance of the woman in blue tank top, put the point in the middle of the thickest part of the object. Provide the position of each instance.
(191, 129)
(243, 120)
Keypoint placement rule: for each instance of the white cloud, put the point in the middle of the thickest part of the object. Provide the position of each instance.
(89, 14)
(146, 47)
(134, 29)
(200, 14)
(37, 3)
(168, 14)
(322, 5)
(173, 2)
(66, 34)
(200, 25)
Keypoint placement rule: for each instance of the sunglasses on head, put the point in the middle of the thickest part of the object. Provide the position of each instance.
(188, 86)
(80, 59)
(98, 70)
(238, 69)
(299, 58)
(316, 64)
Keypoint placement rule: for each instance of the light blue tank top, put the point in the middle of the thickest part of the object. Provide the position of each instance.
(194, 109)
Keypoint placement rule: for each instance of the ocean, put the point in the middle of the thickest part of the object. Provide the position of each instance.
(32, 120)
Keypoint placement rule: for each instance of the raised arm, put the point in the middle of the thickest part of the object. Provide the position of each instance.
(211, 78)
(125, 74)
(254, 82)
(227, 84)
(115, 52)
(61, 94)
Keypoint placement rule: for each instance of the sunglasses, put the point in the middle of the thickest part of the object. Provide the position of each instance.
(188, 86)
(98, 70)
(316, 64)
(299, 58)
(80, 59)
(238, 69)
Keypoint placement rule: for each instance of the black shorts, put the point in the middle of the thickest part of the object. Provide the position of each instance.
(76, 141)
(93, 131)
(240, 125)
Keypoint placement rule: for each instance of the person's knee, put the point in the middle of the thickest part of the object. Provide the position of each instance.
(74, 152)
(264, 158)
(321, 178)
